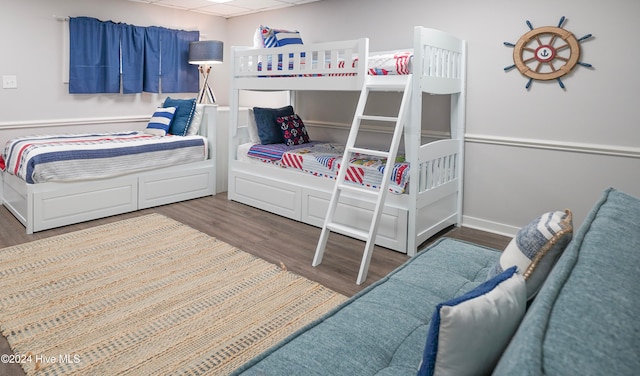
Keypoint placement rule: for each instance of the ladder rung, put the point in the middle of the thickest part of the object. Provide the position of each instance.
(358, 189)
(379, 118)
(386, 87)
(350, 231)
(377, 153)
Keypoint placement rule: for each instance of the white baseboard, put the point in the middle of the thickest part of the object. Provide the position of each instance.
(489, 226)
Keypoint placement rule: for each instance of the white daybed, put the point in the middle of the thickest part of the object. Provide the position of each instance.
(48, 205)
(434, 198)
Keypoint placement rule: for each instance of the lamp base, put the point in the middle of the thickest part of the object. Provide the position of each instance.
(205, 96)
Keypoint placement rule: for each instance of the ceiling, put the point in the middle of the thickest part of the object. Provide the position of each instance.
(227, 9)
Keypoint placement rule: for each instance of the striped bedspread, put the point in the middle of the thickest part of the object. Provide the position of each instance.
(324, 159)
(72, 157)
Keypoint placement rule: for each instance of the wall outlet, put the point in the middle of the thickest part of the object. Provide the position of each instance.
(9, 82)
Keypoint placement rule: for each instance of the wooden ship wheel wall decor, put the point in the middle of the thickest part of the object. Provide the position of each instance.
(546, 53)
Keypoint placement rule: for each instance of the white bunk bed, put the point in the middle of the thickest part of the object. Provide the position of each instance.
(434, 198)
(48, 205)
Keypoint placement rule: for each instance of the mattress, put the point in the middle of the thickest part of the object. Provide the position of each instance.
(74, 157)
(323, 159)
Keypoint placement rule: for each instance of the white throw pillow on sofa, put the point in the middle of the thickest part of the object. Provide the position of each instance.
(469, 333)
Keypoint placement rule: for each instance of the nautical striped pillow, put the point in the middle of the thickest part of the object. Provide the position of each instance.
(160, 121)
(536, 248)
(285, 37)
(279, 37)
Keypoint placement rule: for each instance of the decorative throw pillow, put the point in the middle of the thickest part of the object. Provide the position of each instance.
(536, 248)
(160, 121)
(285, 37)
(268, 129)
(293, 130)
(468, 334)
(182, 118)
(278, 37)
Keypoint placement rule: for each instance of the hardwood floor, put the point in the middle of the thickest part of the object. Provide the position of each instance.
(273, 238)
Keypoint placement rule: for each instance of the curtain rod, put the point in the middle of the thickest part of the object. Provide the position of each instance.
(66, 19)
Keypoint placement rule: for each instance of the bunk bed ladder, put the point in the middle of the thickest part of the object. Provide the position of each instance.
(372, 83)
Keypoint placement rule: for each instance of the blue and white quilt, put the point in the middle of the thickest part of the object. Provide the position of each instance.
(73, 157)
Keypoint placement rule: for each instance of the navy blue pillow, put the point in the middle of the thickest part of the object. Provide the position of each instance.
(184, 113)
(268, 127)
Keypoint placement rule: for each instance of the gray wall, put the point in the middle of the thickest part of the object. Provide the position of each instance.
(526, 151)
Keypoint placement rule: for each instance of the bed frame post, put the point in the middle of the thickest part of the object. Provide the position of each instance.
(413, 140)
(458, 121)
(233, 118)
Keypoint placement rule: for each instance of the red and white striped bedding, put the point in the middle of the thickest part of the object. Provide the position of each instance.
(324, 159)
(72, 157)
(392, 63)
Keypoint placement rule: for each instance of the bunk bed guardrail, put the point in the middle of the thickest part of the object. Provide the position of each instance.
(331, 62)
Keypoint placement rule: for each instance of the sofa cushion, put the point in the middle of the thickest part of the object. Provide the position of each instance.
(382, 329)
(584, 319)
(536, 248)
(468, 333)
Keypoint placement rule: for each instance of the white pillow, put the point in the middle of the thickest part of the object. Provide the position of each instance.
(258, 42)
(253, 128)
(196, 119)
(468, 334)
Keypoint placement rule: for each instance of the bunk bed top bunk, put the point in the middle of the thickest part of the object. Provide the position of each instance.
(437, 59)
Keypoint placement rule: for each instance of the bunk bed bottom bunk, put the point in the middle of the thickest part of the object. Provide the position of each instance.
(305, 198)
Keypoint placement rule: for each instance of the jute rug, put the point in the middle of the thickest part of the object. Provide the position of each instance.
(147, 296)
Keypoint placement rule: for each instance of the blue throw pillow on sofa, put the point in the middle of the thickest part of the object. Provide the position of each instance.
(184, 113)
(268, 127)
(468, 334)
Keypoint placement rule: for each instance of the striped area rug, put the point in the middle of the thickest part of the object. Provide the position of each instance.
(147, 296)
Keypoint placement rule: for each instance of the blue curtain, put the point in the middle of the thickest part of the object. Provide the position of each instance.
(152, 59)
(150, 55)
(94, 56)
(177, 75)
(132, 58)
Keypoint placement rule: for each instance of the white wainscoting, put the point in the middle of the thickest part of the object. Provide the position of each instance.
(575, 147)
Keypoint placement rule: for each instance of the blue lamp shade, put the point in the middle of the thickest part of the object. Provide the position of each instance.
(205, 52)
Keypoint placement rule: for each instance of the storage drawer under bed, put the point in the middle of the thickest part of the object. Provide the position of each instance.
(309, 205)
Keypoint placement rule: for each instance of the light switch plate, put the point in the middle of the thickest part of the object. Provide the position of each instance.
(9, 82)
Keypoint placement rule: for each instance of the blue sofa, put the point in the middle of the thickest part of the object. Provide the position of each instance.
(581, 322)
